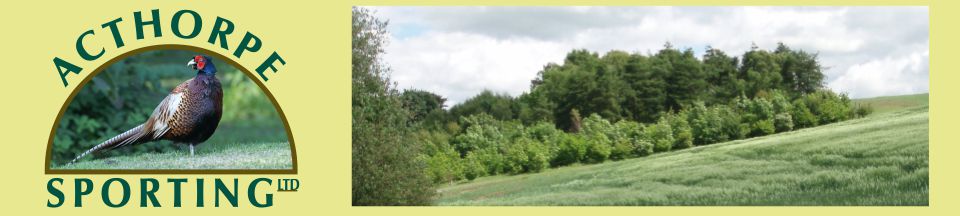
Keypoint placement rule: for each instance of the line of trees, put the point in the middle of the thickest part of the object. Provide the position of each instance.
(633, 86)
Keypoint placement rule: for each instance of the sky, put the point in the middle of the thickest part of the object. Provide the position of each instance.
(457, 52)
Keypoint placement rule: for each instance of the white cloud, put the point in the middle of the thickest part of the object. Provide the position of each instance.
(888, 76)
(460, 65)
(459, 51)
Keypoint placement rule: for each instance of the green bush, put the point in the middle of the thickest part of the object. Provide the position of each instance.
(598, 148)
(538, 155)
(782, 119)
(731, 125)
(625, 139)
(548, 135)
(706, 124)
(780, 102)
(493, 160)
(597, 132)
(526, 155)
(473, 168)
(829, 107)
(643, 147)
(481, 131)
(515, 156)
(802, 116)
(543, 132)
(660, 135)
(682, 133)
(758, 114)
(445, 166)
(763, 127)
(443, 161)
(783, 122)
(572, 150)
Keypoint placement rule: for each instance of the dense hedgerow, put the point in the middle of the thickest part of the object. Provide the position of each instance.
(487, 146)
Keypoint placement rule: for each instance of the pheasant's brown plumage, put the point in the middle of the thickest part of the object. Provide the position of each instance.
(189, 114)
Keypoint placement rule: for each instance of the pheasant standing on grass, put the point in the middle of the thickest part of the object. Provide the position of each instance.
(189, 114)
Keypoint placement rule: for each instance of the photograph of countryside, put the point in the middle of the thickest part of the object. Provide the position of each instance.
(170, 109)
(640, 106)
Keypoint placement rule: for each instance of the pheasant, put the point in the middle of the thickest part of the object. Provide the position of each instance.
(189, 114)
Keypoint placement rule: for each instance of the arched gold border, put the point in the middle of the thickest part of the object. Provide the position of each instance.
(56, 123)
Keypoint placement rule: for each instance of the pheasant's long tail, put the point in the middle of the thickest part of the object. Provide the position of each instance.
(132, 136)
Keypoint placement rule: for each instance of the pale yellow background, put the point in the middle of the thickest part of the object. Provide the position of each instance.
(313, 90)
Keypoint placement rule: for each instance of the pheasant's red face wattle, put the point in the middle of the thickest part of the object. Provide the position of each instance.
(201, 63)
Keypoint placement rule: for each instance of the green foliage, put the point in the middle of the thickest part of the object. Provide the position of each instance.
(731, 123)
(499, 106)
(583, 83)
(682, 132)
(783, 119)
(763, 127)
(504, 147)
(548, 135)
(92, 117)
(386, 168)
(572, 149)
(758, 114)
(473, 168)
(629, 140)
(444, 167)
(637, 87)
(480, 131)
(443, 161)
(707, 124)
(802, 116)
(783, 122)
(761, 71)
(661, 135)
(535, 107)
(801, 72)
(531, 156)
(827, 106)
(723, 76)
(597, 131)
(424, 107)
(493, 160)
(686, 81)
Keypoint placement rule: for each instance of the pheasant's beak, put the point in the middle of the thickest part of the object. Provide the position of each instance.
(192, 64)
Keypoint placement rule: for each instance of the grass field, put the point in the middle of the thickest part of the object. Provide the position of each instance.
(878, 160)
(894, 103)
(236, 156)
(231, 147)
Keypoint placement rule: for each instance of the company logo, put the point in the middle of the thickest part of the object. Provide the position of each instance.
(169, 109)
